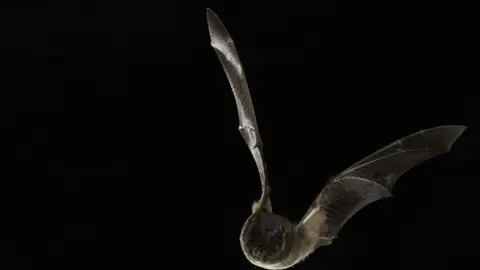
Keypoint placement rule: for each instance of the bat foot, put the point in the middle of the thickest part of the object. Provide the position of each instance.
(323, 241)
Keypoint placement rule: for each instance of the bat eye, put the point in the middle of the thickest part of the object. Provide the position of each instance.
(278, 236)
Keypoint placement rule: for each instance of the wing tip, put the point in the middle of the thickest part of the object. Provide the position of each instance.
(216, 28)
(210, 13)
(459, 128)
(214, 23)
(211, 17)
(455, 131)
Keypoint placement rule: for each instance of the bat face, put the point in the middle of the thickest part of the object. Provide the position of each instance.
(264, 237)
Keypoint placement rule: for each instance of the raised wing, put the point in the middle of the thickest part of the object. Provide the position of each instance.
(227, 53)
(373, 178)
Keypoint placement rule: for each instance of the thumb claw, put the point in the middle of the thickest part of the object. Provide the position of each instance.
(255, 206)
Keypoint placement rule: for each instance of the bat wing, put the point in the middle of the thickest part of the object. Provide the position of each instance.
(373, 178)
(227, 53)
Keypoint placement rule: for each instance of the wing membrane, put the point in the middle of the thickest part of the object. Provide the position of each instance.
(227, 53)
(373, 178)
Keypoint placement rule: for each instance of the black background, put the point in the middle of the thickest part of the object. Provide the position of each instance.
(120, 142)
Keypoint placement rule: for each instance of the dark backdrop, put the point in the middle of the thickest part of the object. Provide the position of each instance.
(120, 145)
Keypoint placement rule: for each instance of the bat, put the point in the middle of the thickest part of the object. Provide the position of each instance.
(272, 241)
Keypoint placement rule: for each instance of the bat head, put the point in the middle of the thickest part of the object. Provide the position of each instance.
(264, 237)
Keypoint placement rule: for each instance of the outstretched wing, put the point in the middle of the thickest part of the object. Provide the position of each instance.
(373, 178)
(227, 53)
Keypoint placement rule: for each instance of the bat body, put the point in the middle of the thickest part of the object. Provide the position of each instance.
(271, 241)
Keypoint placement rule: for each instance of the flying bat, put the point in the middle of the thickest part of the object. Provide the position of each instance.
(272, 241)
